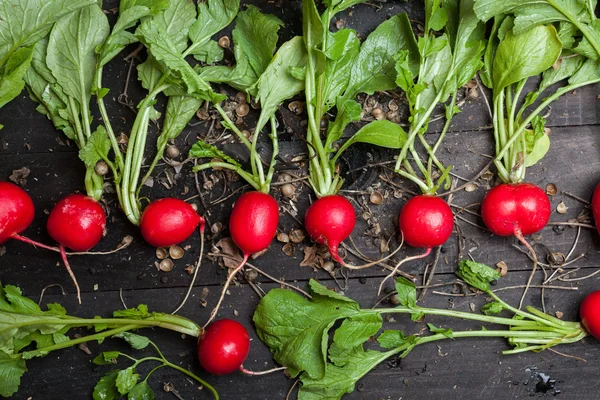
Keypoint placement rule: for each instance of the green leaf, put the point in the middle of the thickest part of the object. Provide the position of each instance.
(11, 80)
(380, 133)
(140, 312)
(519, 57)
(300, 343)
(277, 84)
(341, 5)
(344, 46)
(589, 72)
(446, 332)
(209, 53)
(163, 49)
(24, 22)
(106, 388)
(138, 342)
(390, 339)
(201, 149)
(476, 274)
(536, 141)
(585, 47)
(180, 110)
(374, 68)
(96, 148)
(348, 111)
(126, 380)
(106, 357)
(407, 292)
(73, 67)
(213, 15)
(11, 370)
(141, 391)
(436, 15)
(492, 308)
(176, 21)
(354, 331)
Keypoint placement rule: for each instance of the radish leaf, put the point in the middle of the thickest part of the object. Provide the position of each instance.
(141, 391)
(11, 370)
(138, 342)
(443, 331)
(126, 380)
(106, 388)
(106, 358)
(96, 148)
(380, 133)
(477, 274)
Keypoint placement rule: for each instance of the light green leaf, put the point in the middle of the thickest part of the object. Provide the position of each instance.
(213, 15)
(519, 57)
(96, 148)
(141, 391)
(106, 357)
(492, 308)
(140, 312)
(374, 68)
(24, 22)
(11, 371)
(201, 149)
(276, 84)
(436, 15)
(407, 292)
(477, 274)
(138, 342)
(300, 343)
(126, 380)
(380, 133)
(180, 110)
(390, 339)
(11, 80)
(341, 5)
(589, 72)
(343, 49)
(536, 141)
(176, 21)
(446, 332)
(349, 111)
(74, 66)
(106, 388)
(209, 53)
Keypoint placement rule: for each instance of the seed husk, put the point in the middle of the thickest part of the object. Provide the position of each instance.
(288, 190)
(376, 197)
(216, 227)
(166, 265)
(173, 151)
(297, 107)
(288, 249)
(328, 266)
(283, 237)
(562, 208)
(378, 114)
(101, 168)
(176, 252)
(240, 97)
(297, 235)
(551, 189)
(242, 109)
(161, 253)
(224, 42)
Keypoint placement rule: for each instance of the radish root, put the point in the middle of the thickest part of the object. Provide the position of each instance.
(233, 273)
(34, 243)
(391, 274)
(195, 271)
(256, 373)
(372, 263)
(70, 271)
(519, 235)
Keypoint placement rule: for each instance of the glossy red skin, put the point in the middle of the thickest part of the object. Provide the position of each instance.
(16, 210)
(223, 347)
(253, 221)
(77, 222)
(590, 313)
(426, 221)
(330, 220)
(596, 207)
(168, 221)
(508, 208)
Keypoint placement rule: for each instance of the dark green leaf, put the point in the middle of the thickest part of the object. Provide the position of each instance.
(96, 148)
(519, 57)
(201, 149)
(391, 339)
(141, 391)
(446, 332)
(126, 380)
(380, 133)
(300, 343)
(589, 72)
(176, 21)
(106, 357)
(348, 111)
(476, 274)
(343, 49)
(354, 331)
(11, 79)
(492, 308)
(407, 292)
(213, 15)
(180, 110)
(209, 53)
(106, 388)
(11, 370)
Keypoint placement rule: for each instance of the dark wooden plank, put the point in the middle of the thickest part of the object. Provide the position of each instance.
(465, 368)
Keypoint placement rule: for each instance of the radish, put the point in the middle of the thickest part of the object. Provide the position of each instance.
(253, 224)
(16, 214)
(169, 221)
(596, 207)
(516, 210)
(77, 222)
(330, 220)
(223, 347)
(590, 313)
(426, 222)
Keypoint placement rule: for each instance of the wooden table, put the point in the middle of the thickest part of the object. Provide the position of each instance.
(465, 369)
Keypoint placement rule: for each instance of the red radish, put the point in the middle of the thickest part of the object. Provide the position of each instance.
(518, 210)
(426, 221)
(590, 313)
(253, 225)
(169, 221)
(253, 221)
(16, 211)
(595, 207)
(223, 347)
(16, 214)
(77, 222)
(330, 220)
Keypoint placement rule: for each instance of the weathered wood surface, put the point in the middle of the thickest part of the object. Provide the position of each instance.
(467, 369)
